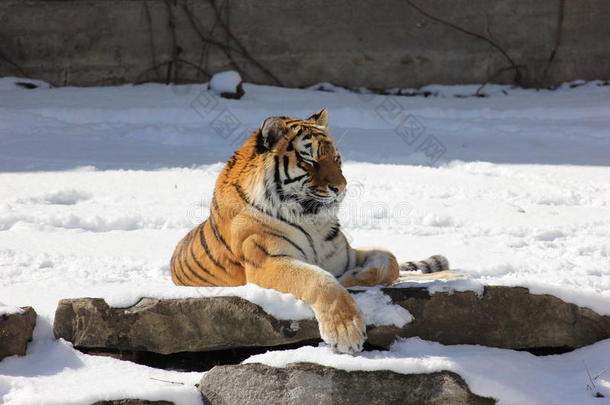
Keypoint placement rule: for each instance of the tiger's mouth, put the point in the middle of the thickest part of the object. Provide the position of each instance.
(325, 200)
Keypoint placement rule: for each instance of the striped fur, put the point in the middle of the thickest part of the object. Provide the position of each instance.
(273, 222)
(432, 264)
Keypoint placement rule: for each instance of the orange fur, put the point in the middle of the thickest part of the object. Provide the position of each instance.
(273, 223)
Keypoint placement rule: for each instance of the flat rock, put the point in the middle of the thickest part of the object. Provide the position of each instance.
(16, 331)
(175, 325)
(313, 384)
(132, 402)
(506, 317)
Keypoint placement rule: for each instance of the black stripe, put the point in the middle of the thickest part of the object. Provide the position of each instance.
(260, 143)
(304, 155)
(176, 270)
(184, 264)
(250, 262)
(439, 265)
(277, 179)
(286, 163)
(334, 231)
(198, 263)
(295, 179)
(218, 236)
(349, 259)
(347, 262)
(410, 266)
(331, 254)
(287, 239)
(216, 206)
(265, 251)
(427, 266)
(244, 197)
(204, 244)
(301, 159)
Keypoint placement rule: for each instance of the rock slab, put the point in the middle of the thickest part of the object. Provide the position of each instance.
(175, 325)
(132, 402)
(506, 317)
(16, 331)
(313, 384)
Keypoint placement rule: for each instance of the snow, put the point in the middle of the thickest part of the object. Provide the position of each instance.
(16, 83)
(281, 306)
(54, 373)
(511, 377)
(9, 309)
(97, 185)
(377, 309)
(225, 82)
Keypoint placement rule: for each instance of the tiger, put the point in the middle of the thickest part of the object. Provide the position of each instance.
(273, 222)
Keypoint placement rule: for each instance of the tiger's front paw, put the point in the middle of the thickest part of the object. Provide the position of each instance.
(341, 323)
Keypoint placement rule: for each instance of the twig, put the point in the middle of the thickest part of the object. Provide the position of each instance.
(498, 73)
(601, 373)
(10, 62)
(558, 31)
(208, 48)
(226, 47)
(175, 48)
(589, 374)
(593, 387)
(151, 34)
(171, 382)
(242, 48)
(177, 61)
(491, 42)
(209, 40)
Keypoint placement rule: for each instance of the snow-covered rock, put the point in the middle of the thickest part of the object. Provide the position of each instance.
(505, 317)
(132, 402)
(176, 325)
(14, 83)
(227, 84)
(307, 383)
(16, 327)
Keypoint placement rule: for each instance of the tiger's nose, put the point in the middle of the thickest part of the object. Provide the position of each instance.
(337, 188)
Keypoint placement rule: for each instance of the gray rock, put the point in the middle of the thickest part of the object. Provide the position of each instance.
(16, 331)
(175, 325)
(132, 402)
(507, 317)
(504, 317)
(313, 384)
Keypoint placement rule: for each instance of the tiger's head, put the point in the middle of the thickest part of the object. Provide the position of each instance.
(302, 161)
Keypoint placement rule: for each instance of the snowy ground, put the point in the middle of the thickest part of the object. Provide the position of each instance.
(98, 184)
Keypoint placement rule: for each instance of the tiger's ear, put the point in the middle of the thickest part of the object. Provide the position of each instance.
(320, 118)
(272, 130)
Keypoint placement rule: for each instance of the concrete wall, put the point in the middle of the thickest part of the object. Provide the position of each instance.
(372, 43)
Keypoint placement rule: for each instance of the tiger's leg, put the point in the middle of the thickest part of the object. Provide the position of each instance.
(373, 267)
(339, 318)
(378, 266)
